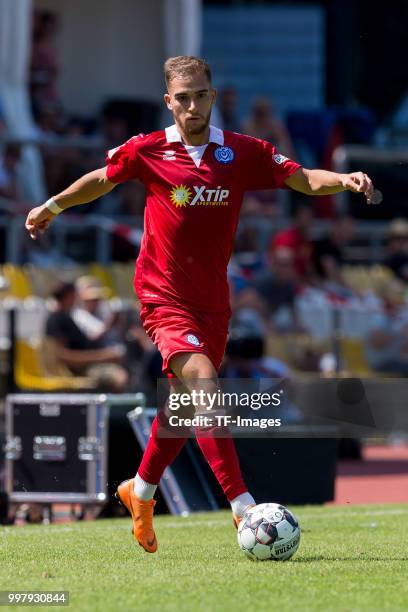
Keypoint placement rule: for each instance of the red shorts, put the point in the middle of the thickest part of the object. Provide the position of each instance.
(175, 329)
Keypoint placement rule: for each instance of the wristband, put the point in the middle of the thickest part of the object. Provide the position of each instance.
(53, 207)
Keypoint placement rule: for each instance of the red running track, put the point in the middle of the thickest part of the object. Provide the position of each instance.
(380, 478)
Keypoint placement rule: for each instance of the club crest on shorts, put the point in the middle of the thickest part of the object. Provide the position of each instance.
(225, 155)
(192, 339)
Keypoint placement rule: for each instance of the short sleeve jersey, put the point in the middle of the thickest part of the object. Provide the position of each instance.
(192, 212)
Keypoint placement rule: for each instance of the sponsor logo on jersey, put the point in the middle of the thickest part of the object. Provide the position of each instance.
(169, 155)
(192, 339)
(181, 195)
(279, 159)
(224, 155)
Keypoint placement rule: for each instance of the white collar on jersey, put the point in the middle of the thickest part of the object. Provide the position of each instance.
(216, 135)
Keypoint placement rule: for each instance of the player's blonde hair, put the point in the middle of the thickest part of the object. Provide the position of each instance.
(185, 65)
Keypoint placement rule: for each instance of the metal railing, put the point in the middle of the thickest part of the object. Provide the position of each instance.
(100, 247)
(65, 230)
(16, 240)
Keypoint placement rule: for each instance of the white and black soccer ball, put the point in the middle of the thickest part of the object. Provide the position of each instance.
(269, 532)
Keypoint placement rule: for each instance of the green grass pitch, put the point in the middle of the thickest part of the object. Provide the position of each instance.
(350, 559)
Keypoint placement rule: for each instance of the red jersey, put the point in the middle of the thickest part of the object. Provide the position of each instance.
(192, 209)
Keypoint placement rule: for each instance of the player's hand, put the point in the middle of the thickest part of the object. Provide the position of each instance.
(359, 182)
(38, 220)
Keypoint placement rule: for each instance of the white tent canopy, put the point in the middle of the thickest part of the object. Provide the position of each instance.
(15, 45)
(105, 49)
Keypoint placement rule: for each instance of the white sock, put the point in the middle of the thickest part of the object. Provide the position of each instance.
(240, 504)
(143, 489)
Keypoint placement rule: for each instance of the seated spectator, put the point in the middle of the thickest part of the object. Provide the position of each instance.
(296, 238)
(91, 315)
(328, 253)
(245, 359)
(114, 129)
(244, 355)
(264, 123)
(397, 248)
(8, 171)
(44, 63)
(72, 347)
(9, 191)
(96, 319)
(272, 292)
(50, 125)
(386, 342)
(237, 279)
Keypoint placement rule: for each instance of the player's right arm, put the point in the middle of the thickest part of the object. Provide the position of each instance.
(86, 189)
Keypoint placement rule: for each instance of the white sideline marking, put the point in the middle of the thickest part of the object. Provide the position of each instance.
(182, 522)
(385, 512)
(63, 528)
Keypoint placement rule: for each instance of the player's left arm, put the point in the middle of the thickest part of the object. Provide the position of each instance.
(323, 182)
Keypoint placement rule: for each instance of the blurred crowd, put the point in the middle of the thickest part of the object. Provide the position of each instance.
(302, 273)
(281, 302)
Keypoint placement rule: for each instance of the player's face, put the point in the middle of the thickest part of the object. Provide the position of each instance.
(190, 99)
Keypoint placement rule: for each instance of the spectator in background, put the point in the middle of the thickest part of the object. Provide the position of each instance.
(244, 355)
(63, 159)
(328, 253)
(50, 124)
(245, 359)
(114, 129)
(92, 315)
(263, 123)
(10, 203)
(71, 346)
(272, 293)
(44, 64)
(397, 248)
(8, 171)
(227, 108)
(296, 239)
(386, 342)
(96, 319)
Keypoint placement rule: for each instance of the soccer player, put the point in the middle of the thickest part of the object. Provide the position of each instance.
(195, 176)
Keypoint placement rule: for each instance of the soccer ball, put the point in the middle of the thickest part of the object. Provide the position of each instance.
(269, 531)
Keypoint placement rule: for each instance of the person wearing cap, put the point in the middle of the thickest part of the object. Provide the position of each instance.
(95, 318)
(93, 315)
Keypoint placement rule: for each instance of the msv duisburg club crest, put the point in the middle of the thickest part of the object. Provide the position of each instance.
(225, 155)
